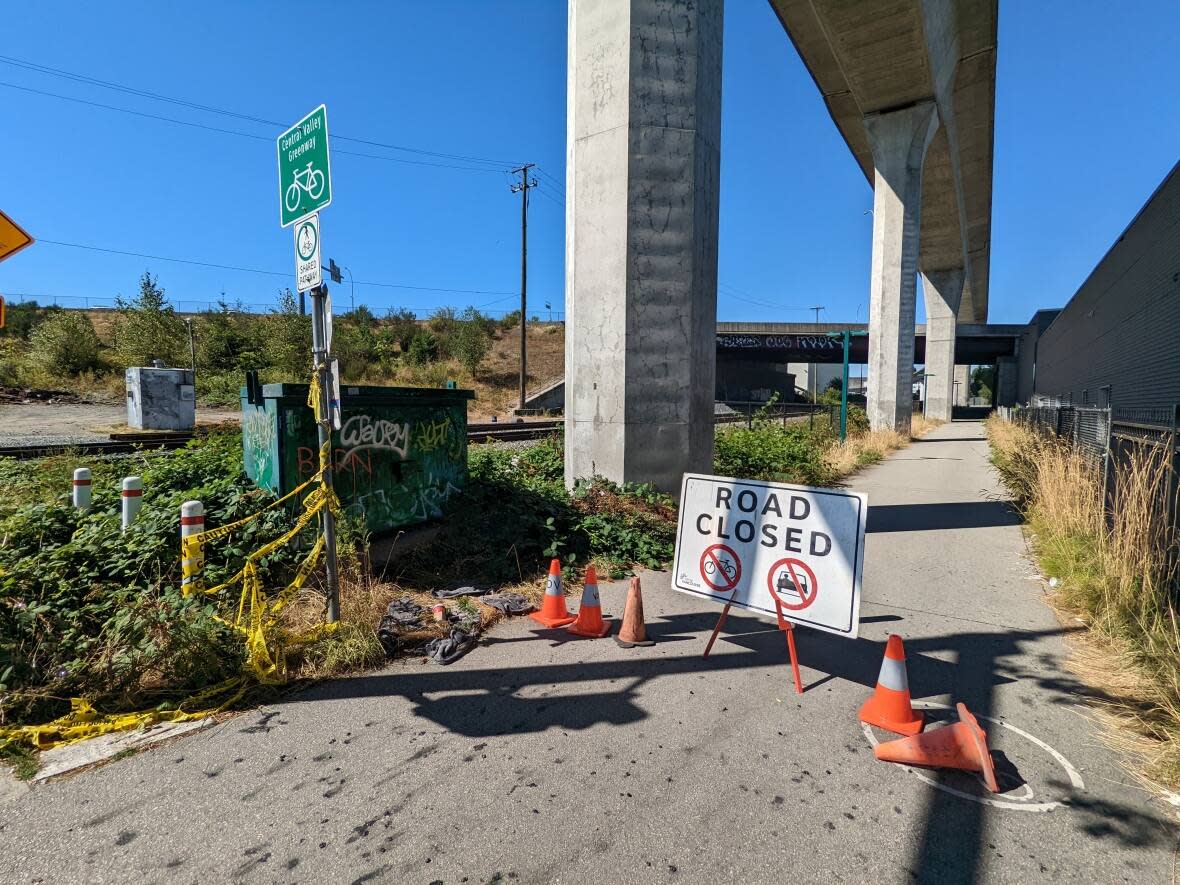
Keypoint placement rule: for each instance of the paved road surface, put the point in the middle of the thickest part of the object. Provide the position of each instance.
(541, 760)
(45, 424)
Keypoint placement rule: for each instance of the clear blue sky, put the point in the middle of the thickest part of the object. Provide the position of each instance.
(1085, 130)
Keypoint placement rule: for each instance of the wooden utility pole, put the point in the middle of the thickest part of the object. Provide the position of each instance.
(523, 189)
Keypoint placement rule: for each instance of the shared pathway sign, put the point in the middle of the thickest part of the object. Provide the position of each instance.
(305, 177)
(751, 543)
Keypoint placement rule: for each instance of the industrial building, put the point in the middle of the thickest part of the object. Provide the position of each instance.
(1117, 341)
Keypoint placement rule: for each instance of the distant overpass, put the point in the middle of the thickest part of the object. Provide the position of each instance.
(754, 356)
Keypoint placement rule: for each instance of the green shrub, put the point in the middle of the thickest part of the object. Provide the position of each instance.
(401, 326)
(228, 339)
(65, 344)
(769, 451)
(149, 329)
(22, 318)
(86, 610)
(471, 340)
(516, 514)
(423, 348)
(287, 347)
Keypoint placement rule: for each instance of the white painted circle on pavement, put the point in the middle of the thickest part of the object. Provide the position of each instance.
(1014, 801)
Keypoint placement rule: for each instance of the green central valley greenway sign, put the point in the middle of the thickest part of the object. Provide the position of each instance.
(305, 178)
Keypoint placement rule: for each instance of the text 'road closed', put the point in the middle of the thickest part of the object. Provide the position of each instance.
(772, 546)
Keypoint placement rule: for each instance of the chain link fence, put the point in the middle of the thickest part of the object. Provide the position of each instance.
(1111, 435)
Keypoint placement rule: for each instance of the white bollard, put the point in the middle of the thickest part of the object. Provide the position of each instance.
(192, 558)
(132, 499)
(82, 489)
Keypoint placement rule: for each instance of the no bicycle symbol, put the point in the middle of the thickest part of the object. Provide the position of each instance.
(721, 568)
(792, 583)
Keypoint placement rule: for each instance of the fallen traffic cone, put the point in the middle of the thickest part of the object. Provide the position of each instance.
(889, 707)
(962, 745)
(553, 612)
(634, 631)
(589, 621)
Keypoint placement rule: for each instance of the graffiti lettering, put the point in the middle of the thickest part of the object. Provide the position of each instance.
(778, 342)
(362, 432)
(428, 437)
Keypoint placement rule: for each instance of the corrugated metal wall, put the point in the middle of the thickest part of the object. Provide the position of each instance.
(1122, 328)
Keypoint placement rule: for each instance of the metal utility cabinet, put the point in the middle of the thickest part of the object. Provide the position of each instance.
(398, 457)
(161, 399)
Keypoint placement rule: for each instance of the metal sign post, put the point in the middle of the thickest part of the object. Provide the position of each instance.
(846, 336)
(320, 357)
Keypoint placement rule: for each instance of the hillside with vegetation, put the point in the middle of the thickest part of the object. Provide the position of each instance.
(87, 351)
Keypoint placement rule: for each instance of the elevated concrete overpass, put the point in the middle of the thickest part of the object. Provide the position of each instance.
(909, 84)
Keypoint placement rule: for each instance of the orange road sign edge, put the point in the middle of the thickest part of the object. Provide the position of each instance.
(28, 237)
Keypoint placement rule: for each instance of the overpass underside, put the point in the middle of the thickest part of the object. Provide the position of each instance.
(909, 83)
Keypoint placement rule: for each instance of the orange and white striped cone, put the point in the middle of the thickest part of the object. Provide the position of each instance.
(889, 707)
(962, 745)
(553, 612)
(590, 621)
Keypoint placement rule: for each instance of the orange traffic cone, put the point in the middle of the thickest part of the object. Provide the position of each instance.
(553, 612)
(889, 707)
(590, 622)
(962, 745)
(634, 631)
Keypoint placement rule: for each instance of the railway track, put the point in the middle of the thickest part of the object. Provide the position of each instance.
(127, 443)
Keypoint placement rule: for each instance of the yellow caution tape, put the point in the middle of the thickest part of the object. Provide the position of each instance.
(256, 619)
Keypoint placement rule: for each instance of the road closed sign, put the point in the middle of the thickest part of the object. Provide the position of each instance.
(755, 544)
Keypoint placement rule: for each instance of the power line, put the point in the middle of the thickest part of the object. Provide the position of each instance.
(272, 273)
(155, 96)
(240, 134)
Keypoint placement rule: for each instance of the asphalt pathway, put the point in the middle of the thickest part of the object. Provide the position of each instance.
(542, 759)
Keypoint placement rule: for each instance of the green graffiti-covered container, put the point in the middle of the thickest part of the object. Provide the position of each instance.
(399, 455)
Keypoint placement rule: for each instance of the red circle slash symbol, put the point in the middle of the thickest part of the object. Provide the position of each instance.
(792, 583)
(720, 567)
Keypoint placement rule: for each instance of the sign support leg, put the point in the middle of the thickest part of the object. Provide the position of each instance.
(789, 628)
(716, 630)
(324, 427)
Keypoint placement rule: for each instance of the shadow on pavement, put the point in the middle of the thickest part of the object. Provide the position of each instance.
(933, 517)
(580, 694)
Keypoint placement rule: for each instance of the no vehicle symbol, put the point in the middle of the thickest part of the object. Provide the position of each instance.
(792, 583)
(720, 567)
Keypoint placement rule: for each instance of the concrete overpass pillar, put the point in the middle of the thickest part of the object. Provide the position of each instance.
(899, 140)
(962, 385)
(642, 142)
(1006, 377)
(943, 290)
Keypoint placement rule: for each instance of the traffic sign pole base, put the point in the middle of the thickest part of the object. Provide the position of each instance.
(783, 624)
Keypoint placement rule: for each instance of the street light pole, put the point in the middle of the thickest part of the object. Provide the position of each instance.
(523, 189)
(814, 397)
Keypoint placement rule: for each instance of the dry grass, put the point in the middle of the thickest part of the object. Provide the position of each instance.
(868, 448)
(1114, 574)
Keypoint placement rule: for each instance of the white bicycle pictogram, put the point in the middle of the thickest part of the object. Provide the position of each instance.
(309, 180)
